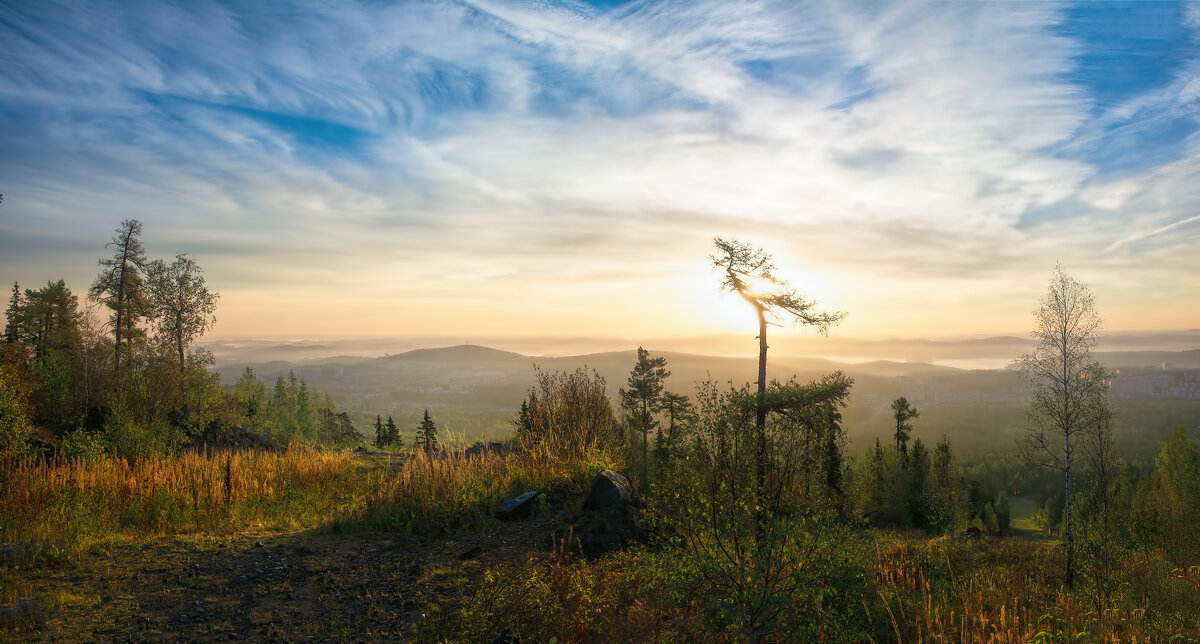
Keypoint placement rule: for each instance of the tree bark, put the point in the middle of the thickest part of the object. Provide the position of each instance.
(760, 424)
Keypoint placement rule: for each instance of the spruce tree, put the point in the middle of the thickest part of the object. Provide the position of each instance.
(903, 413)
(427, 437)
(393, 433)
(380, 438)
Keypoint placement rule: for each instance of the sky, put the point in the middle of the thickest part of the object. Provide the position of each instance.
(560, 169)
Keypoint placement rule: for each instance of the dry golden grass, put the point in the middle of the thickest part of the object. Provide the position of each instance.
(73, 503)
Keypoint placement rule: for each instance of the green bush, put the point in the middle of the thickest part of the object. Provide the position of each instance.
(85, 444)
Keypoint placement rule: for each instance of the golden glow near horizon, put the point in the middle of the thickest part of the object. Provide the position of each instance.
(560, 170)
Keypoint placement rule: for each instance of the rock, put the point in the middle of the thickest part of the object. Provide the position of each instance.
(481, 448)
(23, 608)
(608, 520)
(517, 507)
(507, 636)
(238, 437)
(11, 551)
(471, 553)
(610, 492)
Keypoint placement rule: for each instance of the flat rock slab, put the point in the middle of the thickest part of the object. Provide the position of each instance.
(518, 507)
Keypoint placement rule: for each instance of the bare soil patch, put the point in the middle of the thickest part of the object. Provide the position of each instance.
(296, 587)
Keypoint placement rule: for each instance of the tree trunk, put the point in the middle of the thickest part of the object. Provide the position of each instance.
(182, 364)
(1068, 523)
(760, 424)
(1068, 452)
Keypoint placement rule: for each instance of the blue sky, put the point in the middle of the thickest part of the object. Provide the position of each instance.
(560, 168)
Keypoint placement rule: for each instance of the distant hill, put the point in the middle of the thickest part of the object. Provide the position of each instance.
(475, 390)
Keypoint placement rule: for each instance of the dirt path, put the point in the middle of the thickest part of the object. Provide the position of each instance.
(306, 586)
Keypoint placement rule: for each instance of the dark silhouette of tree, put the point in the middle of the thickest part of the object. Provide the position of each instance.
(918, 484)
(1069, 388)
(903, 413)
(393, 433)
(11, 329)
(680, 412)
(750, 273)
(46, 322)
(250, 394)
(386, 434)
(120, 286)
(427, 436)
(643, 396)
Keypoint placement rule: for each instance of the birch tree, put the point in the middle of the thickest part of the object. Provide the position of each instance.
(1068, 387)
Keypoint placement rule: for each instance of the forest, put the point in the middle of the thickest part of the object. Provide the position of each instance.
(754, 519)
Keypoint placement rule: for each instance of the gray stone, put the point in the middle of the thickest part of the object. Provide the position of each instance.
(608, 520)
(518, 507)
(481, 448)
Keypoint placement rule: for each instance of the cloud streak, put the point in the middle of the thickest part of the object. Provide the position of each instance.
(435, 145)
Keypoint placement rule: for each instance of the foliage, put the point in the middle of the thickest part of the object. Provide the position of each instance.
(750, 273)
(387, 435)
(759, 547)
(180, 303)
(427, 435)
(84, 444)
(642, 399)
(681, 415)
(15, 427)
(903, 413)
(1068, 387)
(567, 413)
(336, 429)
(121, 286)
(1003, 513)
(926, 492)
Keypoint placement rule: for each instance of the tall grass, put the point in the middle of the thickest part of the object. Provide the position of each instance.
(73, 504)
(446, 495)
(1011, 590)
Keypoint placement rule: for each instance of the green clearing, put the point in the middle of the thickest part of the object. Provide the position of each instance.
(1022, 524)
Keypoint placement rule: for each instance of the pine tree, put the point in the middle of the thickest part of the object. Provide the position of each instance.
(427, 438)
(380, 438)
(903, 412)
(642, 397)
(918, 485)
(393, 433)
(11, 332)
(119, 285)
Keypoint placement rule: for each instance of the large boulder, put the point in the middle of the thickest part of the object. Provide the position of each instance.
(608, 520)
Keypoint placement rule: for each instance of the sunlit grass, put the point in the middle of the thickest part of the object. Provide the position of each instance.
(920, 589)
(74, 504)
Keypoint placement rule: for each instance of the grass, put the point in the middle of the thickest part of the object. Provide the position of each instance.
(900, 586)
(1021, 523)
(73, 504)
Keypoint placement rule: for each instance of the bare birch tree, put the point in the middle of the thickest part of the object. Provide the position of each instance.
(1068, 387)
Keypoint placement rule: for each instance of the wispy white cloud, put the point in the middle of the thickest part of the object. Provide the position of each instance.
(497, 142)
(1151, 233)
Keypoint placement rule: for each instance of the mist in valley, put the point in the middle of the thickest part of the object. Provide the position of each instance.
(966, 388)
